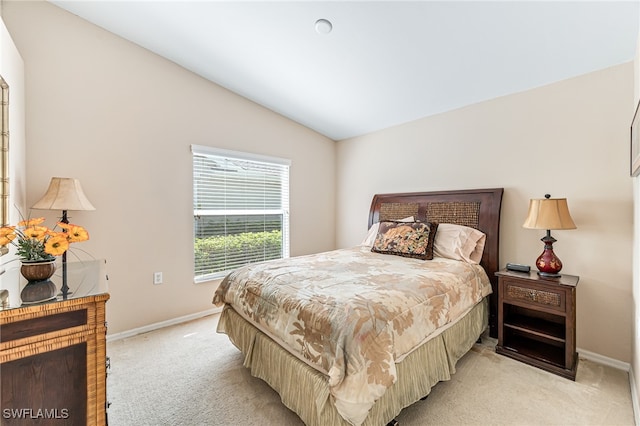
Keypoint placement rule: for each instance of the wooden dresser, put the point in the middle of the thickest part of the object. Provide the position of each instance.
(53, 361)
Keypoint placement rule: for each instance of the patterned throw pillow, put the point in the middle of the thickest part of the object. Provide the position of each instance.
(408, 239)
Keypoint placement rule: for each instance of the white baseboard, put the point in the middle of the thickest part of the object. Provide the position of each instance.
(625, 366)
(634, 397)
(605, 360)
(157, 325)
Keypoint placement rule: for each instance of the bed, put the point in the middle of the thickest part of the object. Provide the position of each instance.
(354, 335)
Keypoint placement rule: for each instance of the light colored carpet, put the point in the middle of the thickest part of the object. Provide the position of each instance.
(189, 375)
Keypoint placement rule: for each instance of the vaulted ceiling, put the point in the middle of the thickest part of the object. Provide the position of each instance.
(382, 63)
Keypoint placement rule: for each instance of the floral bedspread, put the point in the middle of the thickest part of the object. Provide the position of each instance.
(352, 314)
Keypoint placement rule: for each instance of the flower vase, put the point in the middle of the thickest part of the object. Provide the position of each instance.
(39, 288)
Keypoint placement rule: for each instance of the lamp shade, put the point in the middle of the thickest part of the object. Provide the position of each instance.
(549, 213)
(64, 194)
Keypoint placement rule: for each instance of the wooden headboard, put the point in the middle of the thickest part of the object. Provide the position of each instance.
(477, 208)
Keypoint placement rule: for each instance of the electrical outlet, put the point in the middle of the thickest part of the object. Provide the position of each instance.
(157, 278)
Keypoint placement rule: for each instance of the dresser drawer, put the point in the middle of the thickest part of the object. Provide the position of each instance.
(518, 291)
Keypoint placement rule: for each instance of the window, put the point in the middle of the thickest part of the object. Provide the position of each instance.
(240, 210)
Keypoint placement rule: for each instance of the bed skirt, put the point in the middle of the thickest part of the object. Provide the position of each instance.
(305, 391)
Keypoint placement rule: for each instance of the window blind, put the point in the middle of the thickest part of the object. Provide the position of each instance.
(240, 210)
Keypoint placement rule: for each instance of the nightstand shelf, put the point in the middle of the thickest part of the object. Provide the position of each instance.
(537, 321)
(531, 349)
(544, 329)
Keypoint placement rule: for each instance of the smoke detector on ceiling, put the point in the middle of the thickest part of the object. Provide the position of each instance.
(323, 26)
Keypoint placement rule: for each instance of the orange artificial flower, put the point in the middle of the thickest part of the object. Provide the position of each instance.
(56, 244)
(7, 234)
(27, 223)
(75, 233)
(36, 232)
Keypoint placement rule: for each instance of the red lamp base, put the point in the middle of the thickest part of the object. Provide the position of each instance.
(548, 263)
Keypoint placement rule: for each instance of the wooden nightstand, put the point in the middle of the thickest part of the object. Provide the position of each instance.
(537, 320)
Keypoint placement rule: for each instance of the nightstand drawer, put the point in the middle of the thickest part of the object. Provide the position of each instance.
(516, 291)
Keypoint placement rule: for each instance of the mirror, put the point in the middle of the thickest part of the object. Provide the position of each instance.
(4, 161)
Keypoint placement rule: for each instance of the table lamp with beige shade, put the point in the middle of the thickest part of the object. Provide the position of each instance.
(64, 194)
(549, 213)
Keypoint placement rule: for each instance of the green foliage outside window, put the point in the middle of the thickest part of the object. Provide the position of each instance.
(218, 253)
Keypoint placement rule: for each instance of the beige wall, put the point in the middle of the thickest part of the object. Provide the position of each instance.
(121, 120)
(569, 139)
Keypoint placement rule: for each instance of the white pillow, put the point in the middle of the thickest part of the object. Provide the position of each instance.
(373, 232)
(459, 242)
